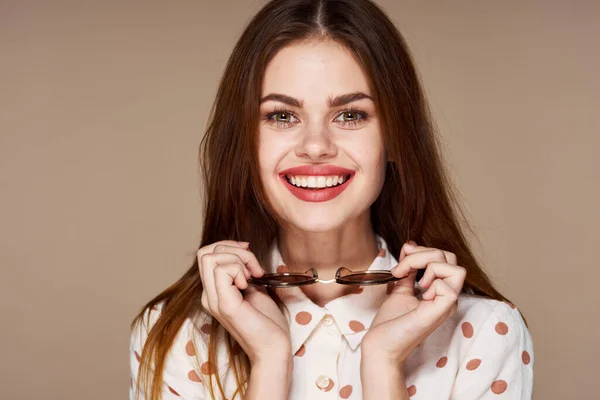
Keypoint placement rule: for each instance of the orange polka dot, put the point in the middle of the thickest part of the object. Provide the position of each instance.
(154, 308)
(137, 356)
(510, 304)
(381, 253)
(473, 364)
(301, 351)
(190, 349)
(207, 368)
(412, 390)
(173, 391)
(359, 291)
(467, 330)
(303, 318)
(193, 376)
(356, 326)
(442, 362)
(501, 328)
(282, 268)
(526, 357)
(499, 386)
(205, 328)
(346, 391)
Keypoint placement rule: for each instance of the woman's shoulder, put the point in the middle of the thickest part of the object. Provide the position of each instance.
(493, 349)
(484, 347)
(193, 334)
(481, 322)
(477, 310)
(186, 367)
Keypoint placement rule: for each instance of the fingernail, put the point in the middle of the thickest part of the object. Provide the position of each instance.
(412, 242)
(244, 244)
(409, 246)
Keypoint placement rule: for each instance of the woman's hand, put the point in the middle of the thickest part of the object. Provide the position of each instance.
(403, 321)
(252, 318)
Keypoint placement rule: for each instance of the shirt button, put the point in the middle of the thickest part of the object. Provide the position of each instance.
(328, 320)
(322, 382)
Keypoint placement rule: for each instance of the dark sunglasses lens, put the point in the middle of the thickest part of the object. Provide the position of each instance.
(282, 280)
(367, 278)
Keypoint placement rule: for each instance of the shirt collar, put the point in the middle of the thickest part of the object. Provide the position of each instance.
(353, 313)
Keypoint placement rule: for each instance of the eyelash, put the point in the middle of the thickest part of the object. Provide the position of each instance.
(364, 116)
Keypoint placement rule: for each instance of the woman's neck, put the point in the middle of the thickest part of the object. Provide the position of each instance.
(353, 246)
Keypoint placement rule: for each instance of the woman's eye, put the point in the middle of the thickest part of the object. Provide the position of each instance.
(281, 118)
(351, 117)
(285, 118)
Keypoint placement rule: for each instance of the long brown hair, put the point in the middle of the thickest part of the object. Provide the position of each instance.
(417, 201)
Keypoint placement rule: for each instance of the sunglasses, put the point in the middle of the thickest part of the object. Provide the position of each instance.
(343, 276)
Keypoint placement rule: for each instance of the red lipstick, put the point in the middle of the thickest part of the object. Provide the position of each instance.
(317, 194)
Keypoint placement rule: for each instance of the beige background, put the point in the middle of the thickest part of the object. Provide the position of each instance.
(102, 107)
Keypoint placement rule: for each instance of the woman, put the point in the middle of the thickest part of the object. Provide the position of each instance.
(321, 154)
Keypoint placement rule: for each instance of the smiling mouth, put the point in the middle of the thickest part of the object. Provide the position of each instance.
(317, 182)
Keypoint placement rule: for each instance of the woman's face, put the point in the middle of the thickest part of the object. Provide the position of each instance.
(321, 155)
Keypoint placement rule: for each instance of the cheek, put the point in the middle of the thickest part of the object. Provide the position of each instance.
(270, 153)
(266, 151)
(369, 155)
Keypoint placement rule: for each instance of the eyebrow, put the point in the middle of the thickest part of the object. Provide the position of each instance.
(332, 102)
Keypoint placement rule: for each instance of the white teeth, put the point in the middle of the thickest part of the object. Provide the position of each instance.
(315, 181)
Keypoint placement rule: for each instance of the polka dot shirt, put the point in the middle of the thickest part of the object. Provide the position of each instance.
(483, 351)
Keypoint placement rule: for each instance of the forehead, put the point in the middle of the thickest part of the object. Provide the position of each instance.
(313, 70)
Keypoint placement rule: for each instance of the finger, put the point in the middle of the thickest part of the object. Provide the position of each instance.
(453, 275)
(210, 248)
(247, 257)
(450, 257)
(442, 294)
(403, 249)
(403, 253)
(406, 285)
(223, 258)
(216, 303)
(207, 265)
(229, 279)
(228, 258)
(229, 275)
(438, 303)
(430, 313)
(417, 259)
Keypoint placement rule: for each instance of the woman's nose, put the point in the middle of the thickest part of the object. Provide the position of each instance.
(316, 144)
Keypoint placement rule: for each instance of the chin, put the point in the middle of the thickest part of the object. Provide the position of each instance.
(316, 222)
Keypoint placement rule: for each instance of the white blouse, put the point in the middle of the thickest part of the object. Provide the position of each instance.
(483, 351)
